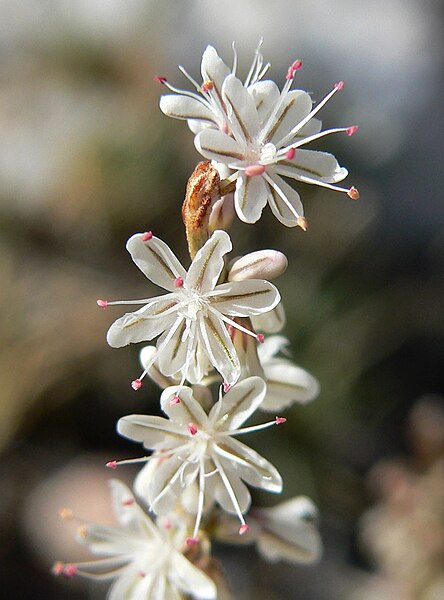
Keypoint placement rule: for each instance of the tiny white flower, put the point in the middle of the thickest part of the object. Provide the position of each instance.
(145, 560)
(288, 531)
(195, 446)
(264, 146)
(191, 319)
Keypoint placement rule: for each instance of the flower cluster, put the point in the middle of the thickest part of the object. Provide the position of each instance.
(211, 359)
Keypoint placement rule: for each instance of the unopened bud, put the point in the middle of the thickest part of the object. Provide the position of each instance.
(222, 214)
(263, 264)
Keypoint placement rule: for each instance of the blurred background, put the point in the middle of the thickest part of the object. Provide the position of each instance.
(87, 159)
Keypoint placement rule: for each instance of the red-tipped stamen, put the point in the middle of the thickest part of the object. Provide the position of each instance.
(243, 529)
(160, 79)
(174, 400)
(128, 501)
(290, 153)
(280, 420)
(192, 541)
(253, 428)
(207, 86)
(102, 303)
(353, 193)
(136, 384)
(65, 513)
(147, 236)
(167, 523)
(351, 130)
(178, 282)
(227, 387)
(254, 170)
(57, 568)
(339, 85)
(70, 570)
(260, 338)
(295, 66)
(111, 464)
(192, 429)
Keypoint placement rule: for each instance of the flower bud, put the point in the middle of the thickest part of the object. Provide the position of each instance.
(264, 264)
(222, 213)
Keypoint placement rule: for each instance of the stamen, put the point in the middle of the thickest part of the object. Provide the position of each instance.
(192, 541)
(174, 400)
(254, 170)
(277, 421)
(111, 464)
(178, 282)
(260, 338)
(70, 570)
(290, 154)
(147, 236)
(229, 489)
(102, 303)
(351, 130)
(167, 523)
(234, 324)
(82, 531)
(192, 429)
(227, 387)
(339, 85)
(243, 529)
(65, 513)
(207, 86)
(128, 501)
(160, 79)
(295, 66)
(136, 384)
(353, 193)
(280, 420)
(302, 223)
(57, 568)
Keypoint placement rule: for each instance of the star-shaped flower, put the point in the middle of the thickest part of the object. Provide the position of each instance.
(192, 445)
(192, 317)
(264, 146)
(146, 561)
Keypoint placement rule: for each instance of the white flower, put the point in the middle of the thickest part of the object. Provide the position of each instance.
(145, 560)
(192, 445)
(192, 317)
(264, 146)
(288, 531)
(204, 108)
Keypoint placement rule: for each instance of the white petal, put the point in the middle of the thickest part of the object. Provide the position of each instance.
(189, 579)
(143, 324)
(208, 263)
(172, 476)
(250, 197)
(296, 106)
(219, 347)
(188, 410)
(123, 585)
(245, 298)
(243, 116)
(173, 354)
(146, 357)
(250, 466)
(270, 322)
(218, 146)
(237, 405)
(320, 166)
(265, 95)
(284, 201)
(287, 383)
(272, 346)
(153, 432)
(156, 261)
(127, 511)
(184, 107)
(216, 489)
(214, 69)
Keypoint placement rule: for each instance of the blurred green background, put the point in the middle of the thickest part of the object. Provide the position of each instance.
(87, 159)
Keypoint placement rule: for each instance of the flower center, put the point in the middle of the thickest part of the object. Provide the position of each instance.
(193, 304)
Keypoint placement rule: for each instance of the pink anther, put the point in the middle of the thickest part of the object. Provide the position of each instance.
(295, 66)
(57, 568)
(192, 429)
(351, 130)
(167, 523)
(178, 282)
(280, 420)
(70, 570)
(192, 541)
(160, 79)
(112, 464)
(290, 154)
(227, 387)
(147, 236)
(254, 170)
(243, 529)
(128, 502)
(136, 384)
(174, 400)
(260, 338)
(353, 193)
(207, 86)
(102, 303)
(339, 85)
